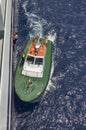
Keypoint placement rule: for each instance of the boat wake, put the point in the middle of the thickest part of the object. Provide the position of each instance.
(34, 22)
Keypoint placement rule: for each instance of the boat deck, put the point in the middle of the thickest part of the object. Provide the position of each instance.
(40, 50)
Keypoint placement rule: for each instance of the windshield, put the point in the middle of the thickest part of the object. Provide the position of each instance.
(39, 61)
(30, 59)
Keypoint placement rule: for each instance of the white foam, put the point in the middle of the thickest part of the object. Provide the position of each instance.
(34, 21)
(50, 84)
(24, 6)
(52, 36)
(36, 24)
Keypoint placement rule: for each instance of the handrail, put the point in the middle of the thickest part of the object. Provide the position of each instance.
(9, 127)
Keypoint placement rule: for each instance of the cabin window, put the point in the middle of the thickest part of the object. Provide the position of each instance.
(39, 61)
(30, 59)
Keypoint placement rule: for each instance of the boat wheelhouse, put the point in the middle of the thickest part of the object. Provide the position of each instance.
(35, 58)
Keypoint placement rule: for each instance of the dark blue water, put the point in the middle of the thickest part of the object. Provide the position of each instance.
(63, 105)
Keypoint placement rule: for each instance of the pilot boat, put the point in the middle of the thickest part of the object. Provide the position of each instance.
(33, 69)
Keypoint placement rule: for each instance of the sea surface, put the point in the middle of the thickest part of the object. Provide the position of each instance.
(63, 104)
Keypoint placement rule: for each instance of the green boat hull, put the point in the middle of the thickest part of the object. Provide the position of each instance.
(38, 86)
